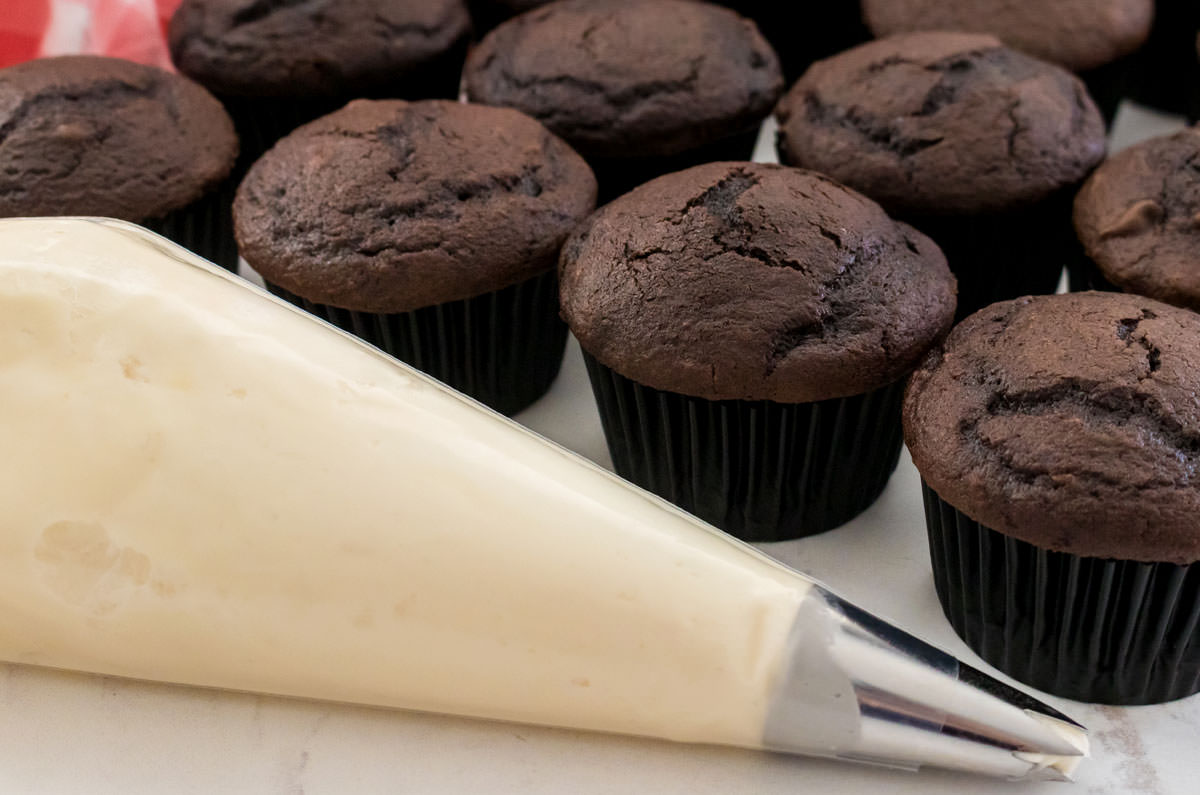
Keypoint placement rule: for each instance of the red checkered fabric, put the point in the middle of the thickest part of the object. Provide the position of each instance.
(133, 29)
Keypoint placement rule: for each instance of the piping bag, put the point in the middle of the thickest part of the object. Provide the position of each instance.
(205, 486)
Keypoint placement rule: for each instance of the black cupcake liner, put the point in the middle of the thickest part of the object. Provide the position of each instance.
(1084, 275)
(805, 32)
(261, 121)
(1165, 72)
(204, 227)
(617, 176)
(759, 470)
(998, 256)
(1108, 84)
(1090, 629)
(502, 348)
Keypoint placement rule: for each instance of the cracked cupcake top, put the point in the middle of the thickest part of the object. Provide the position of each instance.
(1079, 34)
(388, 206)
(312, 47)
(1138, 218)
(1068, 421)
(750, 281)
(87, 135)
(942, 124)
(622, 78)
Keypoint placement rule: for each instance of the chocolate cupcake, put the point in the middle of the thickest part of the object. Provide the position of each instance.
(88, 135)
(747, 329)
(1138, 219)
(278, 64)
(430, 229)
(978, 145)
(639, 87)
(1090, 37)
(1058, 438)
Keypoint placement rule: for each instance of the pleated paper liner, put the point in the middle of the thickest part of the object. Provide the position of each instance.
(759, 470)
(1090, 629)
(998, 256)
(502, 348)
(204, 227)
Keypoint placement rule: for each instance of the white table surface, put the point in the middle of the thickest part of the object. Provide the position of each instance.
(66, 732)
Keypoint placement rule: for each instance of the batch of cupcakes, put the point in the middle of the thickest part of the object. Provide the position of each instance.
(761, 339)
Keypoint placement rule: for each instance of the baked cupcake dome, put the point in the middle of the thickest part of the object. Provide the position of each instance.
(277, 65)
(1138, 219)
(1091, 37)
(733, 314)
(978, 145)
(320, 48)
(90, 135)
(1057, 436)
(631, 80)
(388, 208)
(1077, 34)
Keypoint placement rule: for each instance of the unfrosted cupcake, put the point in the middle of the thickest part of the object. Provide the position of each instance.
(1138, 219)
(978, 145)
(430, 229)
(638, 87)
(747, 329)
(1091, 37)
(1058, 439)
(88, 135)
(276, 65)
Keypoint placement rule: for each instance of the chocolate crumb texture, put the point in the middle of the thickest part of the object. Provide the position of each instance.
(1138, 218)
(388, 206)
(942, 123)
(626, 78)
(1077, 34)
(751, 281)
(90, 135)
(315, 48)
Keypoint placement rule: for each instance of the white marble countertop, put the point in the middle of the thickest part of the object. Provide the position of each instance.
(65, 732)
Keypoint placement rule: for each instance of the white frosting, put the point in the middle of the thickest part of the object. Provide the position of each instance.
(202, 485)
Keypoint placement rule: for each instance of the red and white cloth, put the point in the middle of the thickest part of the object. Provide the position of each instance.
(133, 29)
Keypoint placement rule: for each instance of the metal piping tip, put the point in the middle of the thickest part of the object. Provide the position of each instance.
(858, 688)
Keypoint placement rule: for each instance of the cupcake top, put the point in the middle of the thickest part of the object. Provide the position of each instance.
(1078, 34)
(389, 206)
(1138, 218)
(620, 78)
(315, 48)
(750, 281)
(942, 123)
(1068, 421)
(88, 135)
